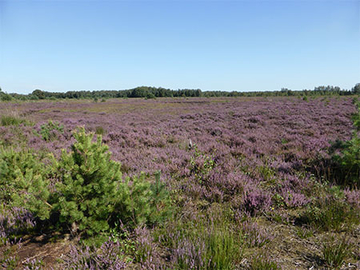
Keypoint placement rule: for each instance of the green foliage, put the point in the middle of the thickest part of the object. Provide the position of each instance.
(8, 260)
(5, 96)
(89, 185)
(99, 130)
(330, 213)
(91, 194)
(262, 262)
(48, 130)
(347, 163)
(150, 95)
(160, 201)
(334, 252)
(8, 120)
(356, 89)
(23, 181)
(201, 165)
(210, 242)
(304, 232)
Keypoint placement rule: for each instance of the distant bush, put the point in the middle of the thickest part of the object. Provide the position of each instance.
(5, 96)
(99, 130)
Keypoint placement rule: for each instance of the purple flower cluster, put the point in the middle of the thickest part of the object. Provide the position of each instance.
(254, 235)
(14, 221)
(109, 256)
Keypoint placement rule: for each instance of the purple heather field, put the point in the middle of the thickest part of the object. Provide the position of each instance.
(250, 154)
(248, 139)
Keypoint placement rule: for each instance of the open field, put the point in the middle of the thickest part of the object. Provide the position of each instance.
(210, 183)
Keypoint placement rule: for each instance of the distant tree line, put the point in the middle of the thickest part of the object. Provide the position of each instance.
(156, 92)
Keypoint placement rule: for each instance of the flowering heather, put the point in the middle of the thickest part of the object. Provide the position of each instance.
(108, 256)
(246, 156)
(14, 221)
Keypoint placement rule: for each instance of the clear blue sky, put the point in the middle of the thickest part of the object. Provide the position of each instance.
(239, 45)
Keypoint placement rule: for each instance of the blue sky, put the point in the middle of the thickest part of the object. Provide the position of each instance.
(239, 45)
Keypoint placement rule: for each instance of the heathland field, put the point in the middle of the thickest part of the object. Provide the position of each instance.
(180, 183)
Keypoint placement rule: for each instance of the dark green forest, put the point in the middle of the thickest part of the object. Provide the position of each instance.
(156, 92)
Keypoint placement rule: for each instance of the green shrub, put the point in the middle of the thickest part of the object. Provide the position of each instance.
(5, 96)
(88, 187)
(23, 181)
(91, 194)
(99, 130)
(48, 130)
(347, 163)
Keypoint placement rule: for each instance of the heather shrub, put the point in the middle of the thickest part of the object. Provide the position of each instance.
(14, 221)
(9, 258)
(254, 236)
(256, 200)
(108, 256)
(33, 264)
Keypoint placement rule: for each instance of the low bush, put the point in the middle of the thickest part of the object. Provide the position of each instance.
(49, 130)
(91, 194)
(87, 193)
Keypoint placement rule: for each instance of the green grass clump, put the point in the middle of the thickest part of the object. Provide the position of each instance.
(335, 251)
(207, 242)
(262, 262)
(330, 213)
(8, 120)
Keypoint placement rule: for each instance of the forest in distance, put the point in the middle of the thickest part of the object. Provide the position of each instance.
(154, 92)
(180, 182)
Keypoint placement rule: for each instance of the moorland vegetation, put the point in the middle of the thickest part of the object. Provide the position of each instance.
(181, 183)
